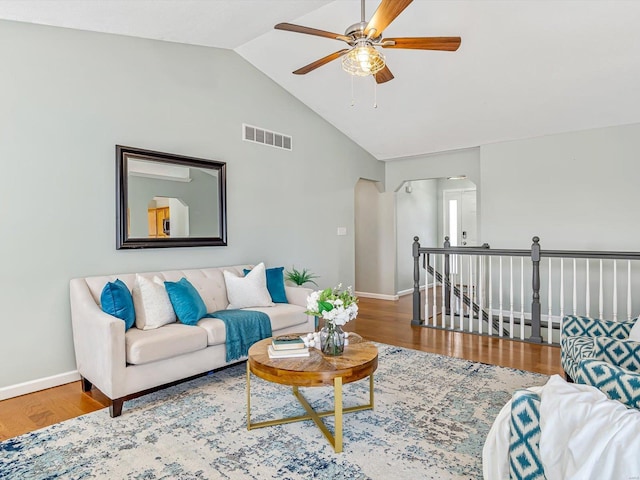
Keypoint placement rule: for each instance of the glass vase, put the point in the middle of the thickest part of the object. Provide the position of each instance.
(332, 339)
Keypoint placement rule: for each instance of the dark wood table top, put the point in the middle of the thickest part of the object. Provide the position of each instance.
(359, 360)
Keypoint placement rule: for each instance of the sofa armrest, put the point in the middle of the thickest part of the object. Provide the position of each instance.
(622, 353)
(524, 439)
(615, 382)
(579, 326)
(99, 341)
(297, 295)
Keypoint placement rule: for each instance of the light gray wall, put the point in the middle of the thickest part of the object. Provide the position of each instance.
(416, 214)
(68, 97)
(575, 191)
(375, 239)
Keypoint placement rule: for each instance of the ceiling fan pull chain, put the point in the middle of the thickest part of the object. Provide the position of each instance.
(375, 93)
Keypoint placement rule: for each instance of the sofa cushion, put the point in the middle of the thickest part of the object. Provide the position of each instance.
(275, 284)
(116, 300)
(248, 291)
(145, 346)
(186, 301)
(284, 315)
(216, 330)
(152, 304)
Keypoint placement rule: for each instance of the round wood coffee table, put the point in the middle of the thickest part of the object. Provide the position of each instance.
(359, 360)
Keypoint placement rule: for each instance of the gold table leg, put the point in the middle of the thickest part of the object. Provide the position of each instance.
(334, 439)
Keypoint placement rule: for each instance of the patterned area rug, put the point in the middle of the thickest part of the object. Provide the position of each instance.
(432, 414)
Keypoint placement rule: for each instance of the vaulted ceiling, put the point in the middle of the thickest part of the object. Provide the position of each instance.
(524, 68)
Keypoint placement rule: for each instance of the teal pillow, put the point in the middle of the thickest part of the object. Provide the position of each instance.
(186, 301)
(116, 300)
(275, 284)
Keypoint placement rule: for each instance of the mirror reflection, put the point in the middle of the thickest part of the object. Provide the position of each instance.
(169, 200)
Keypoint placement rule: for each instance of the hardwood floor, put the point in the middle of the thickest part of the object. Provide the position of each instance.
(378, 320)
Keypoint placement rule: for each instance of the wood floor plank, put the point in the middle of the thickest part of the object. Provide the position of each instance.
(378, 320)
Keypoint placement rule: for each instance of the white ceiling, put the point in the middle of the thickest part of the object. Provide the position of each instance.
(524, 69)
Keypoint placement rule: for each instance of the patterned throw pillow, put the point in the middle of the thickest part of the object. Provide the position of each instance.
(615, 382)
(152, 304)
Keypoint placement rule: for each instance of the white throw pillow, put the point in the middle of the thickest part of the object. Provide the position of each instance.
(151, 303)
(634, 334)
(249, 291)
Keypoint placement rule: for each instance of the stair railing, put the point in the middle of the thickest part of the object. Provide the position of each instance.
(482, 290)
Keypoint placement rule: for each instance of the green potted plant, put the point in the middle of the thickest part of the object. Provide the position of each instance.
(300, 277)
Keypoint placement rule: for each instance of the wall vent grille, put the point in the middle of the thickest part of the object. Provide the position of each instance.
(251, 133)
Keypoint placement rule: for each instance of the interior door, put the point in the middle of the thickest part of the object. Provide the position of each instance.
(460, 217)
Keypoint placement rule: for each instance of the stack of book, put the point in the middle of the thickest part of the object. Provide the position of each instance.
(288, 346)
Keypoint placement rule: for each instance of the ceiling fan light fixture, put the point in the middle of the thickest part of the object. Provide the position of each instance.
(363, 60)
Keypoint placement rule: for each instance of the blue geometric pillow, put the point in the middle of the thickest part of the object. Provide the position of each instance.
(615, 382)
(275, 284)
(116, 300)
(186, 301)
(524, 438)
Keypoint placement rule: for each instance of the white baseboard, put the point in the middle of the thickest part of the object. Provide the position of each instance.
(39, 384)
(379, 296)
(409, 291)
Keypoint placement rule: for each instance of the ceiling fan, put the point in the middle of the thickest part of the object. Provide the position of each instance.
(362, 58)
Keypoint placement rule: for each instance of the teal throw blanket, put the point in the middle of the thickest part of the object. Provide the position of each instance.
(244, 328)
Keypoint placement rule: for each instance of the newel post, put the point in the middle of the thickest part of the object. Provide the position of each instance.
(447, 279)
(416, 282)
(535, 283)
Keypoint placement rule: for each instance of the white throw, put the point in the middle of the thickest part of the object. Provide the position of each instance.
(584, 436)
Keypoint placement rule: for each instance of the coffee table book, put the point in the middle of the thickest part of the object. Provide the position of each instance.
(290, 353)
(287, 342)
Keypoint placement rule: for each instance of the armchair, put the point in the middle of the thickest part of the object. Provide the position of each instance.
(605, 340)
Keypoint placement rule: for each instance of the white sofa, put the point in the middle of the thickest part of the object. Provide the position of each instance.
(125, 365)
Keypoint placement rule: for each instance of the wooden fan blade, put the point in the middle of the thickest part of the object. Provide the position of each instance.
(386, 13)
(384, 75)
(450, 44)
(321, 62)
(290, 27)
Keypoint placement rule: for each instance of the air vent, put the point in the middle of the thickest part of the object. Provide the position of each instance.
(266, 137)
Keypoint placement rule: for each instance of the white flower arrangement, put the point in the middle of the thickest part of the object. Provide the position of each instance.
(333, 305)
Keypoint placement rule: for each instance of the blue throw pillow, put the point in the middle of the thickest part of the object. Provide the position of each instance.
(116, 300)
(275, 284)
(186, 301)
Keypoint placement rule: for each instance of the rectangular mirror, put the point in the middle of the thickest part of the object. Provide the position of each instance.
(168, 200)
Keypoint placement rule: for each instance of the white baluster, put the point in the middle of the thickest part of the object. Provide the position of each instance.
(490, 324)
(471, 293)
(601, 295)
(443, 310)
(435, 294)
(500, 319)
(511, 321)
(452, 305)
(575, 291)
(587, 292)
(615, 290)
(628, 289)
(426, 293)
(561, 292)
(522, 323)
(461, 293)
(480, 293)
(550, 312)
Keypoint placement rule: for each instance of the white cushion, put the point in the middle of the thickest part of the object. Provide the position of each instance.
(160, 343)
(151, 303)
(249, 291)
(634, 334)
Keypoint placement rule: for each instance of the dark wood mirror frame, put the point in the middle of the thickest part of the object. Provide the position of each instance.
(123, 238)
